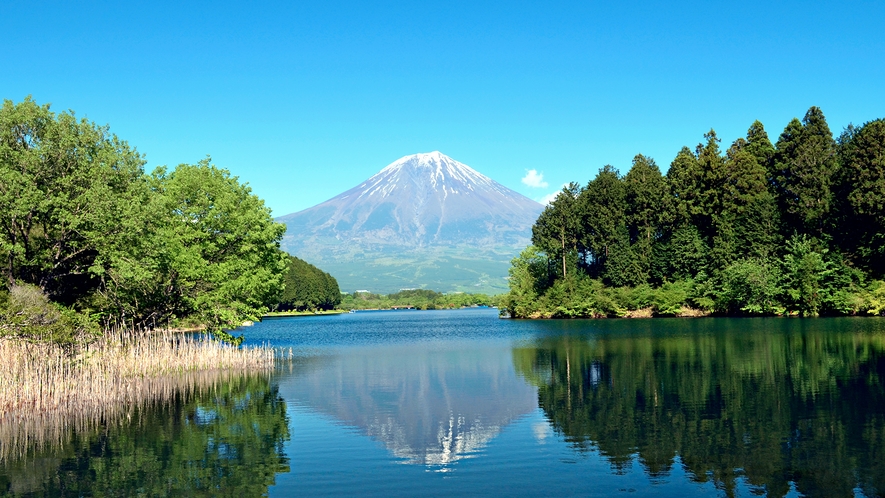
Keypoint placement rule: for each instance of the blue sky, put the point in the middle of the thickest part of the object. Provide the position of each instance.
(304, 100)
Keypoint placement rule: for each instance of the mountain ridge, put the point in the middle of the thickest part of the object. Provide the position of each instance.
(426, 206)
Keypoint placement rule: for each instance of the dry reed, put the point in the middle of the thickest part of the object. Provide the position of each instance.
(45, 390)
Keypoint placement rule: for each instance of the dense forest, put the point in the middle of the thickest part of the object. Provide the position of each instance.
(306, 287)
(89, 240)
(794, 227)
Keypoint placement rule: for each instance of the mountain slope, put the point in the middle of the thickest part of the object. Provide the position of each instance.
(425, 220)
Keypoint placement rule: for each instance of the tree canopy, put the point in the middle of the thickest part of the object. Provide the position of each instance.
(82, 221)
(795, 227)
(307, 288)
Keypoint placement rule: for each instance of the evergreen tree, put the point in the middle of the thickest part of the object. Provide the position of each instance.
(684, 178)
(748, 205)
(712, 222)
(603, 204)
(759, 145)
(862, 182)
(556, 230)
(306, 287)
(804, 167)
(646, 195)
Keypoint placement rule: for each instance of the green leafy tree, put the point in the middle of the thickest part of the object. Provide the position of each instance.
(218, 244)
(751, 286)
(528, 280)
(68, 190)
(817, 281)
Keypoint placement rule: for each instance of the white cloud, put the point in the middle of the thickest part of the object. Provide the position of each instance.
(534, 179)
(547, 199)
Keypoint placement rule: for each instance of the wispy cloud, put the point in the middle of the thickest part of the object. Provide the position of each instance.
(534, 179)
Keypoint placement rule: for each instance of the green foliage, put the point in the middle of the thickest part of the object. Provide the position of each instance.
(85, 224)
(709, 236)
(218, 246)
(805, 165)
(862, 187)
(681, 255)
(307, 288)
(647, 200)
(684, 178)
(528, 280)
(603, 210)
(671, 297)
(806, 274)
(626, 264)
(27, 313)
(751, 286)
(67, 190)
(556, 230)
(872, 299)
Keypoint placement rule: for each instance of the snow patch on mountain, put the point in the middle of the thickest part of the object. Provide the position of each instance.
(426, 200)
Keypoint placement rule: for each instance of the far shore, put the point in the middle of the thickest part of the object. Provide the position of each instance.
(276, 314)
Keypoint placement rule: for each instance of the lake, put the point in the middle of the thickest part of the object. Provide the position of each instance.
(442, 403)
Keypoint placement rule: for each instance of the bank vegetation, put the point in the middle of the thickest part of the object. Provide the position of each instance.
(795, 227)
(100, 261)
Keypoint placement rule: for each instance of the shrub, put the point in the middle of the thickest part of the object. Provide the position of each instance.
(27, 313)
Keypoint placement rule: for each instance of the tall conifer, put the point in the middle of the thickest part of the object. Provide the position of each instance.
(603, 217)
(646, 194)
(863, 185)
(805, 164)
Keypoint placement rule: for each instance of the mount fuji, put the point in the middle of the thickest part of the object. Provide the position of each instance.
(424, 221)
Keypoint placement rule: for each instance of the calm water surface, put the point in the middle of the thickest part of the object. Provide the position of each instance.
(440, 403)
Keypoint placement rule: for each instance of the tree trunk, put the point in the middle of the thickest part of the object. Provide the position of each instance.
(562, 238)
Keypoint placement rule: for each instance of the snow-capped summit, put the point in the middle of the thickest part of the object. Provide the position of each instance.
(430, 171)
(422, 200)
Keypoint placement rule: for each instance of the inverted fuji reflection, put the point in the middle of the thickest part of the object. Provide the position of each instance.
(427, 407)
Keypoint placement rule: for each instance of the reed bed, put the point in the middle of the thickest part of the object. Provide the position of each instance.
(47, 390)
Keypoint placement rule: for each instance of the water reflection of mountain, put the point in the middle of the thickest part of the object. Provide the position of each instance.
(780, 405)
(430, 407)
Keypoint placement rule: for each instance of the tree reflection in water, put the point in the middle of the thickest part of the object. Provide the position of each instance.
(777, 403)
(223, 441)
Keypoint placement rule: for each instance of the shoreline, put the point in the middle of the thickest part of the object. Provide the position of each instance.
(279, 314)
(45, 387)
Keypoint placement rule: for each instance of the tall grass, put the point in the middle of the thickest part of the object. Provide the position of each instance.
(47, 389)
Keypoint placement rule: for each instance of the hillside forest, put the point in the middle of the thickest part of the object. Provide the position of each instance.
(795, 227)
(422, 299)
